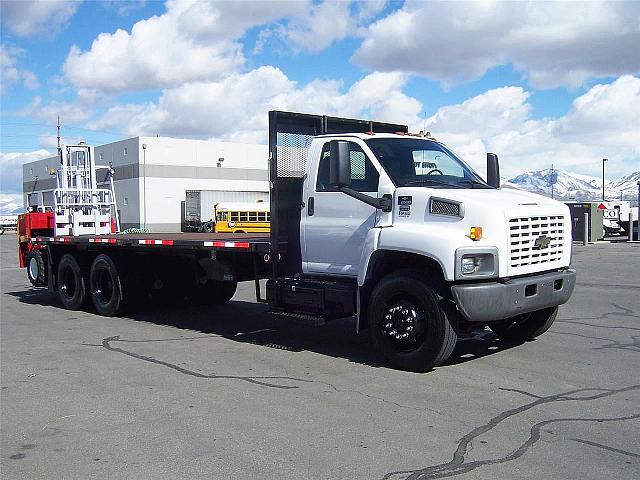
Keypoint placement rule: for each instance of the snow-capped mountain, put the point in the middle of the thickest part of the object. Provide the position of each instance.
(573, 186)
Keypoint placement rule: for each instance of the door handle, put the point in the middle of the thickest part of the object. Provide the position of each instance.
(310, 209)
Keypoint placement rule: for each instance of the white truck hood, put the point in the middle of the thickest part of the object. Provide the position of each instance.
(511, 220)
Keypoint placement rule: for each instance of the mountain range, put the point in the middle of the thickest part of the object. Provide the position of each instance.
(573, 186)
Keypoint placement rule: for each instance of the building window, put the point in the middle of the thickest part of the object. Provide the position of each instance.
(125, 151)
(102, 156)
(126, 201)
(31, 171)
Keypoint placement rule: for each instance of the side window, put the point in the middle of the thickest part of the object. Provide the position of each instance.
(364, 176)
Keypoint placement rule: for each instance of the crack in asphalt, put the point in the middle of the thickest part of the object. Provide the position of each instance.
(458, 464)
(258, 380)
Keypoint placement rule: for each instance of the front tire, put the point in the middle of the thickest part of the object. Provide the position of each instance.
(525, 327)
(106, 287)
(408, 325)
(71, 284)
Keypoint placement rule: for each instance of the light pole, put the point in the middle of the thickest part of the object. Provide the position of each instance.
(144, 185)
(603, 160)
(638, 220)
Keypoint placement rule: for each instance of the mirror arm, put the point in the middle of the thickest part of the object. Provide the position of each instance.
(383, 203)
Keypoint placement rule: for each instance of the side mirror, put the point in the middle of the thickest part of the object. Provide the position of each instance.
(339, 164)
(493, 170)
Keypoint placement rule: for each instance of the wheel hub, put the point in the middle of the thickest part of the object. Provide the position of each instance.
(403, 322)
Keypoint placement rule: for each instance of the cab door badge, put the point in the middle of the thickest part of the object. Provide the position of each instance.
(404, 203)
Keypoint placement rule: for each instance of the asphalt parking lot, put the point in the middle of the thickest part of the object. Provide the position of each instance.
(232, 392)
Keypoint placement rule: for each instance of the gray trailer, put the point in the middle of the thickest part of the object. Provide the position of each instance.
(198, 206)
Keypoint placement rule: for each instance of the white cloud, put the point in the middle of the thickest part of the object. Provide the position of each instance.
(10, 71)
(316, 26)
(79, 110)
(552, 43)
(191, 42)
(11, 168)
(236, 108)
(601, 123)
(33, 18)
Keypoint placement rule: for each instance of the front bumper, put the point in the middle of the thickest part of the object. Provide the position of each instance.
(485, 302)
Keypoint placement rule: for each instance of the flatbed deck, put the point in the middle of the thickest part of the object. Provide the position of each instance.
(188, 240)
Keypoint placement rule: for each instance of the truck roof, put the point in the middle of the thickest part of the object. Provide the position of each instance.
(369, 135)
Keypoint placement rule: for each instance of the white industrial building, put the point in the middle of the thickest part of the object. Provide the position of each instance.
(152, 175)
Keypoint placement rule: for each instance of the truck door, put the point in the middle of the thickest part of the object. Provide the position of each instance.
(335, 225)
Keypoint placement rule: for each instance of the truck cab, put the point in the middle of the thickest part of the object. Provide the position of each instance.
(425, 246)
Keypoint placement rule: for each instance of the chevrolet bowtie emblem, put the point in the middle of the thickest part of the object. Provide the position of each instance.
(541, 242)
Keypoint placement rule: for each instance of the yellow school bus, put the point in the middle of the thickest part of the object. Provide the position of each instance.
(242, 217)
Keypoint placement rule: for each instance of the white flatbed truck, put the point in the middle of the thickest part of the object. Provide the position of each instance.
(367, 221)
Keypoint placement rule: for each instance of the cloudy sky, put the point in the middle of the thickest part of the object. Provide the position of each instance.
(538, 83)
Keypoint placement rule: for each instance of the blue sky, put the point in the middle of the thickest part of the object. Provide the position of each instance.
(552, 82)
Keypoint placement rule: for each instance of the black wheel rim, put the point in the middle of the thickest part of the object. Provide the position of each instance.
(68, 284)
(103, 286)
(404, 325)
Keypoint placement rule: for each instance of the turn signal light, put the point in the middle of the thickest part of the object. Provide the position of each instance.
(476, 233)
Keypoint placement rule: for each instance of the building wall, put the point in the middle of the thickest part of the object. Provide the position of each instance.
(152, 175)
(124, 158)
(173, 166)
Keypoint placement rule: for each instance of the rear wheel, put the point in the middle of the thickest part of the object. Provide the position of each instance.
(71, 283)
(526, 326)
(36, 271)
(407, 324)
(106, 286)
(215, 292)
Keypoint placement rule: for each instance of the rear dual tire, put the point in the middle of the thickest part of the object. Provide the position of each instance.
(214, 292)
(71, 283)
(105, 284)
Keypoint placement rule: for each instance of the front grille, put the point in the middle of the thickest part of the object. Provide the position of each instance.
(535, 240)
(441, 207)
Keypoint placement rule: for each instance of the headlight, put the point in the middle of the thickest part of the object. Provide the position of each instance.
(476, 263)
(468, 265)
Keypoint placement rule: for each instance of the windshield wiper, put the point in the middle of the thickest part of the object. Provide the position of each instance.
(430, 182)
(472, 183)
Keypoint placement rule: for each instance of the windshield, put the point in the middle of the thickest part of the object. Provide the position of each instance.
(417, 162)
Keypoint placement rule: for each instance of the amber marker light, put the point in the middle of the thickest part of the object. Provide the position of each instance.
(476, 233)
